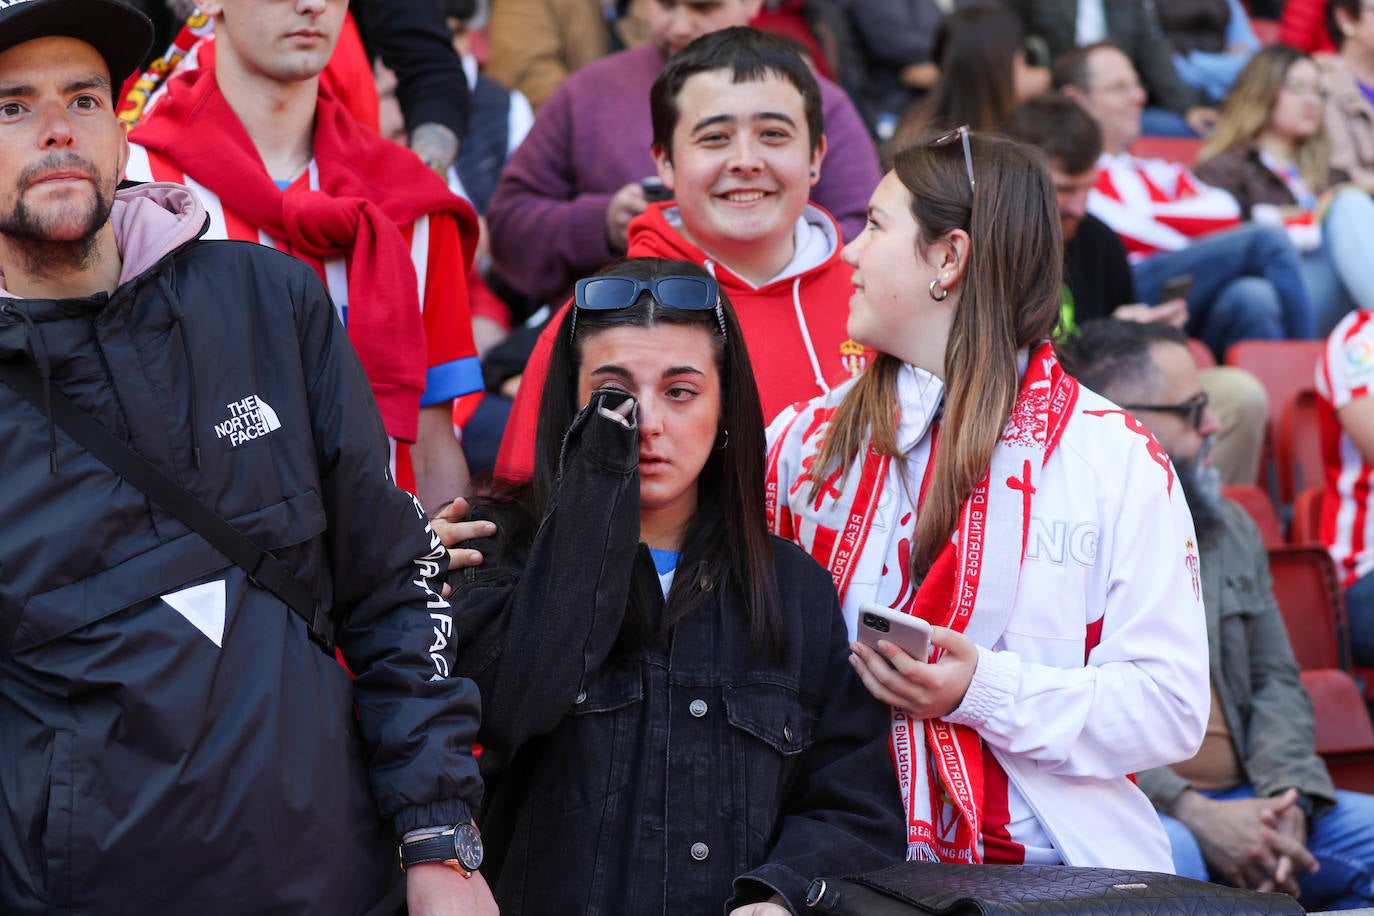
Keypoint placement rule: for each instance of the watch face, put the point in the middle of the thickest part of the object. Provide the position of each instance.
(467, 843)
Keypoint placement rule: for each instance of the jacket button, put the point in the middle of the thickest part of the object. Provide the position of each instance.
(580, 698)
(700, 851)
(787, 733)
(697, 708)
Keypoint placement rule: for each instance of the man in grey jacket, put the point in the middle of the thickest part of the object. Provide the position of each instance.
(1255, 807)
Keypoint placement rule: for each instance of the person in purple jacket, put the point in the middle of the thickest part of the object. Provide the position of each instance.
(567, 195)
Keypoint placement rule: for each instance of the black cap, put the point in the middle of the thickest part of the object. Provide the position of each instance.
(119, 32)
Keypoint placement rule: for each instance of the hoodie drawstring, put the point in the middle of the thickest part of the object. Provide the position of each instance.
(806, 337)
(38, 350)
(179, 319)
(801, 326)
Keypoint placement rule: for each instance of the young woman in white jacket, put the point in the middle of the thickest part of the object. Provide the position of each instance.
(964, 478)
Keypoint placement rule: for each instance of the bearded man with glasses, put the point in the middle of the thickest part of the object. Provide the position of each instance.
(1255, 807)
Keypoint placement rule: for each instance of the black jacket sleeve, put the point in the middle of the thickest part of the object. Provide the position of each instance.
(529, 632)
(417, 722)
(413, 40)
(897, 32)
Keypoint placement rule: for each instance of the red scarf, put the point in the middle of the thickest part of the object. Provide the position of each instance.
(971, 588)
(946, 825)
(369, 187)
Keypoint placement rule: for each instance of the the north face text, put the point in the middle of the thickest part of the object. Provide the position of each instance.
(249, 419)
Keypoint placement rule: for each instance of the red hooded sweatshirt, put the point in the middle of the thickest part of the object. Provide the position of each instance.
(794, 326)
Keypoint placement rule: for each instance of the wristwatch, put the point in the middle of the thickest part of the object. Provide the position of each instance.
(1304, 803)
(459, 847)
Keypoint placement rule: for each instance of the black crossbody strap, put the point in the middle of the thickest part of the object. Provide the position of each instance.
(263, 569)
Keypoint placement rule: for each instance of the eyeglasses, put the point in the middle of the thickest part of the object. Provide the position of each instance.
(609, 294)
(959, 133)
(1191, 410)
(1312, 89)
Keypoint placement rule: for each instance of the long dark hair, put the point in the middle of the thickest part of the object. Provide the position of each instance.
(727, 540)
(975, 47)
(1009, 300)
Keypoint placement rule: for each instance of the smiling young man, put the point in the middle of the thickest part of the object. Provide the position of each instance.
(172, 737)
(566, 198)
(253, 136)
(739, 136)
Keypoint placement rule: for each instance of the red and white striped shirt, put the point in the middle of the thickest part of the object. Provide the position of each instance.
(1345, 373)
(436, 253)
(1155, 206)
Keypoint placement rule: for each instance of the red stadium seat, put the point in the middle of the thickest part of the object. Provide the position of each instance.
(1260, 508)
(1298, 446)
(1345, 736)
(1312, 604)
(1182, 150)
(1284, 367)
(1307, 517)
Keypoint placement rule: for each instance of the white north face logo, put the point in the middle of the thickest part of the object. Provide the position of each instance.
(203, 606)
(249, 419)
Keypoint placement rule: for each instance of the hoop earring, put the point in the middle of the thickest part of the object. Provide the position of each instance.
(722, 439)
(944, 293)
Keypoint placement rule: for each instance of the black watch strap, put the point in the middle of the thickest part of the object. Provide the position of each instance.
(459, 846)
(437, 848)
(1308, 807)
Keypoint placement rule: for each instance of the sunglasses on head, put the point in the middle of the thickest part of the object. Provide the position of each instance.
(1191, 410)
(959, 133)
(609, 294)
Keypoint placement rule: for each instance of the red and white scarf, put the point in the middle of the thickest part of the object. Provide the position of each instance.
(370, 187)
(970, 588)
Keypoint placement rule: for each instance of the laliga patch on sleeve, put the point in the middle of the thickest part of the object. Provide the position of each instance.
(1359, 360)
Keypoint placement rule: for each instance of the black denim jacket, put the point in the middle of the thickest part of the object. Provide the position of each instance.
(688, 779)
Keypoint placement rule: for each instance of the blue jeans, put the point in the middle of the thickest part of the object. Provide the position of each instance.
(1247, 285)
(1213, 73)
(1342, 840)
(1359, 610)
(1337, 273)
(1161, 122)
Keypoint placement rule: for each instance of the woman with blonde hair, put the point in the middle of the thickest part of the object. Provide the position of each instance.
(964, 478)
(1271, 151)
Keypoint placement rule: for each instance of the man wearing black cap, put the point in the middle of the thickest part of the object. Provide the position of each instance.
(172, 737)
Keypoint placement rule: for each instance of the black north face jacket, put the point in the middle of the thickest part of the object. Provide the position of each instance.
(171, 740)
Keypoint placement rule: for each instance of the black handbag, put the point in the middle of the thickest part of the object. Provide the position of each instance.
(1019, 890)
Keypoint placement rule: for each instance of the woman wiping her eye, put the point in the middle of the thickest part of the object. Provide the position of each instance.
(670, 720)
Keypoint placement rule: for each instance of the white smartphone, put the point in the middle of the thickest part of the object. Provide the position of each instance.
(911, 633)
